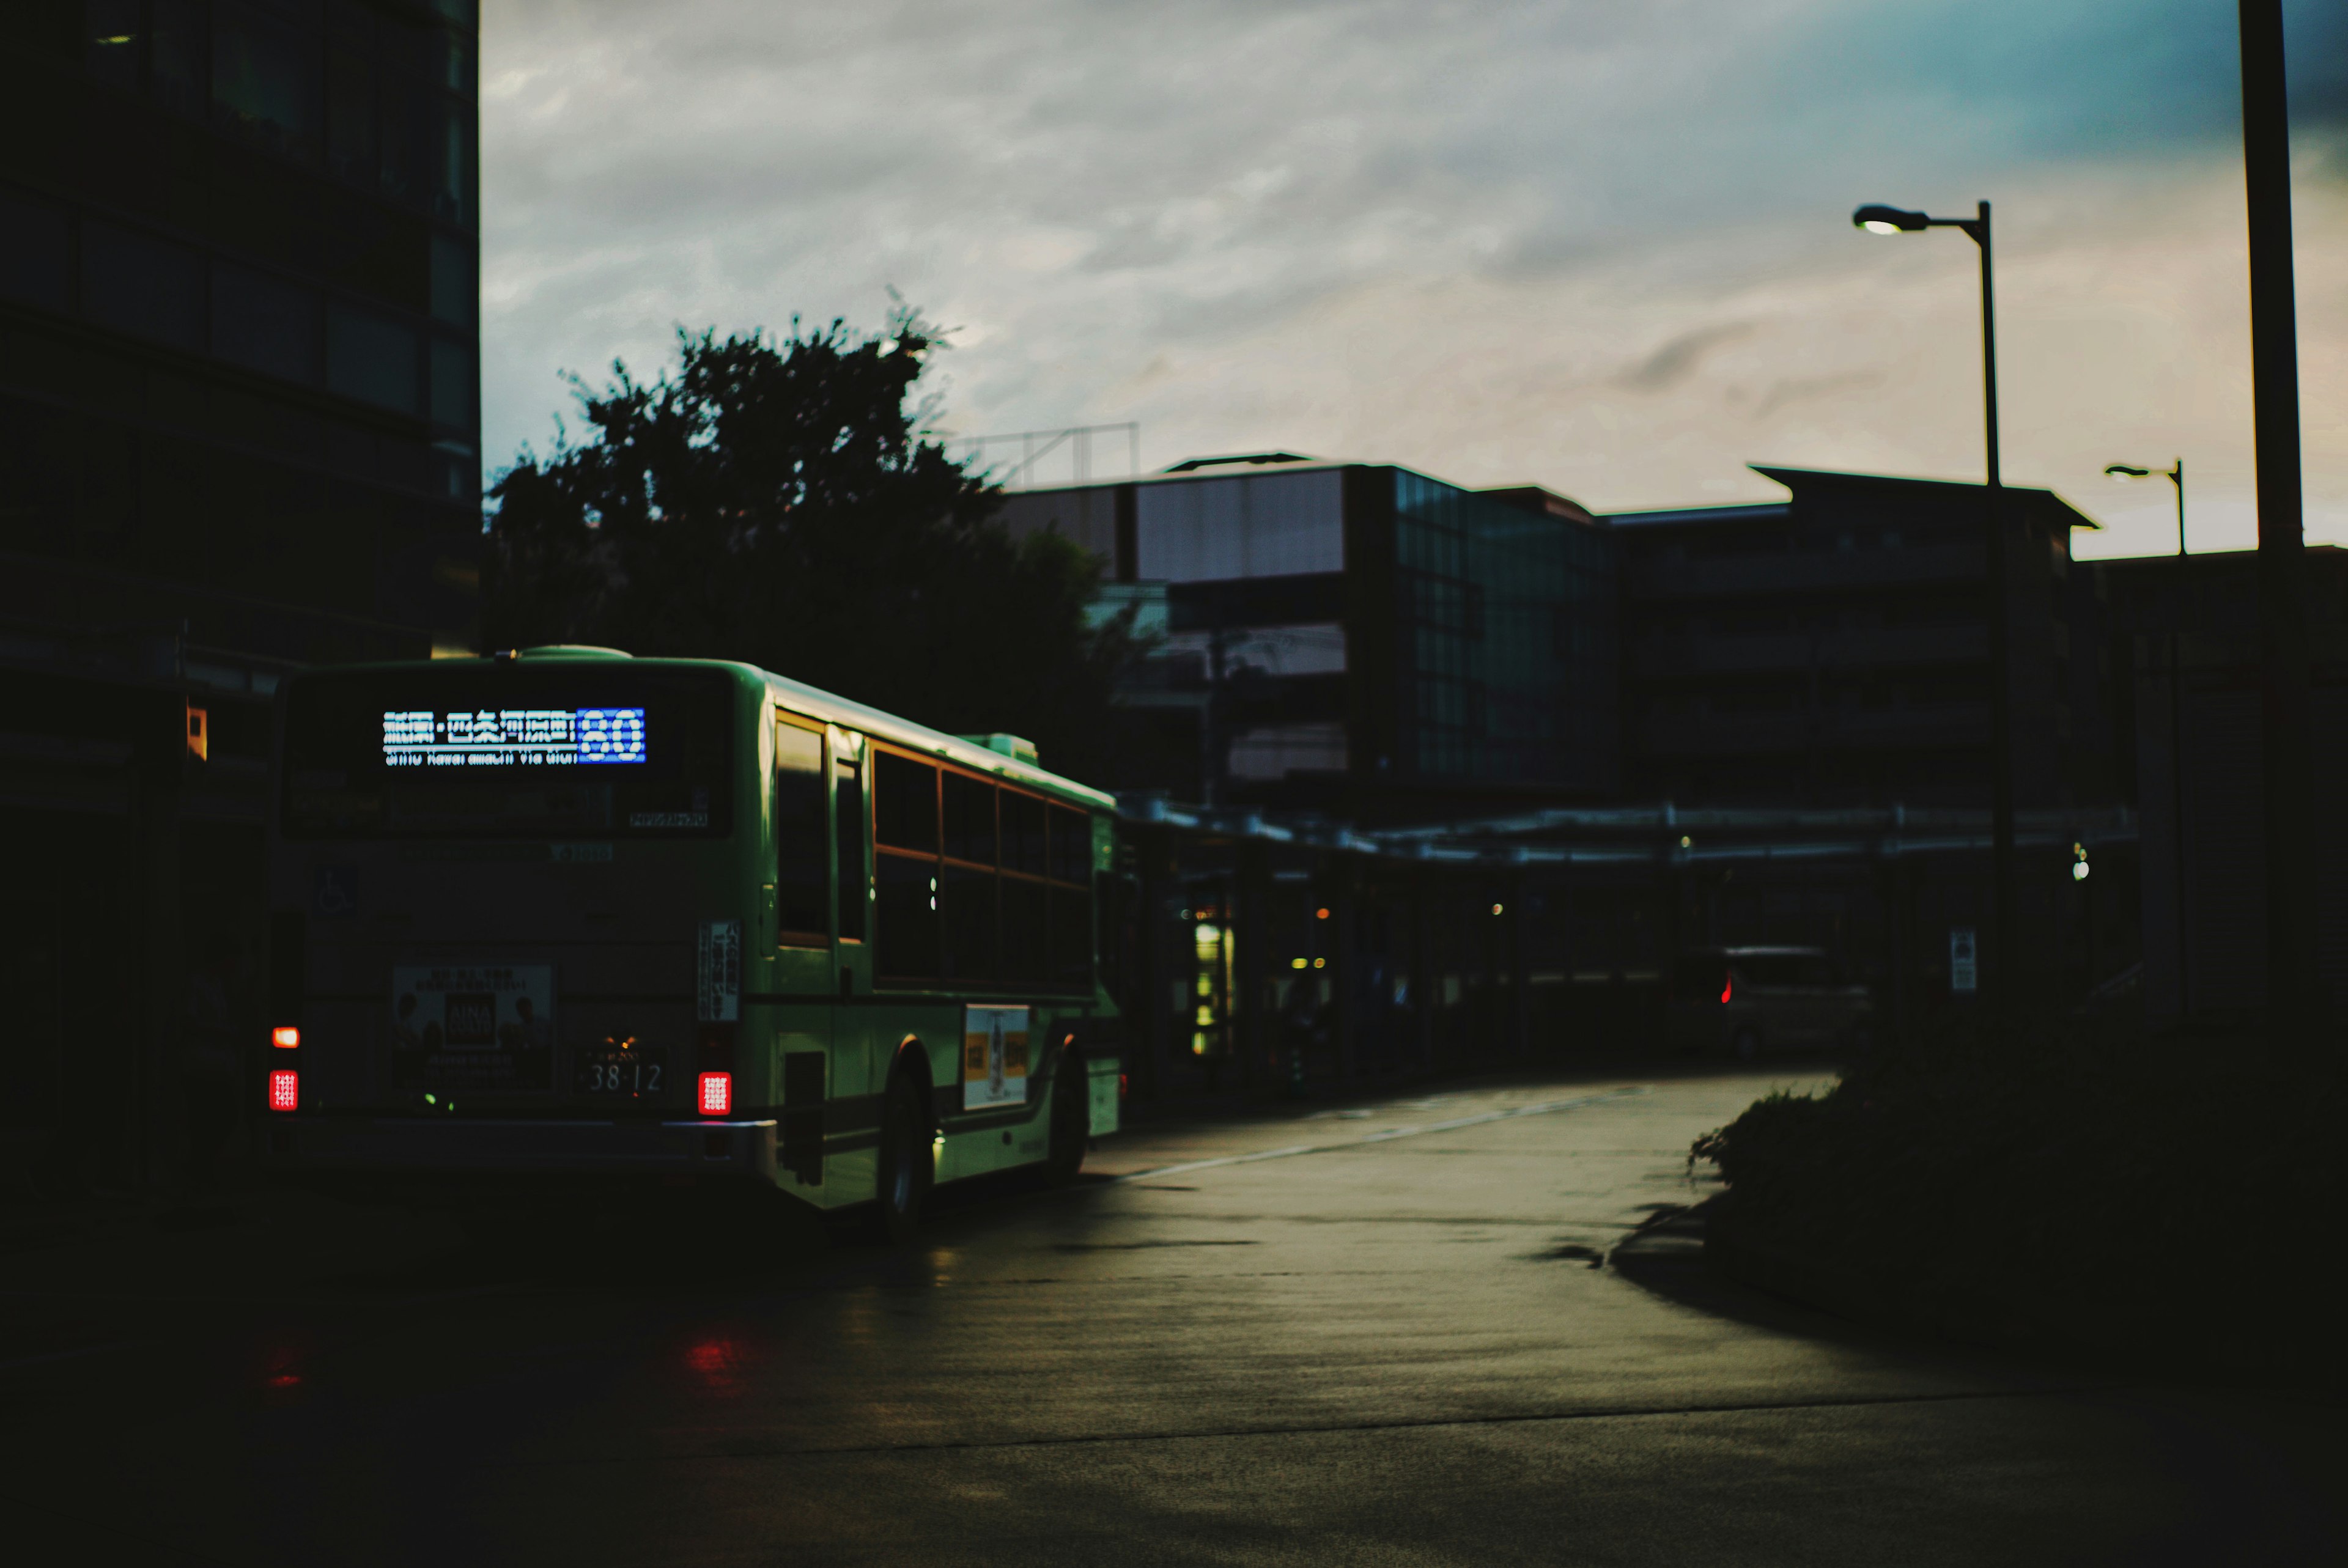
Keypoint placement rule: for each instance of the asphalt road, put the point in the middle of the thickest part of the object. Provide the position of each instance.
(1417, 1331)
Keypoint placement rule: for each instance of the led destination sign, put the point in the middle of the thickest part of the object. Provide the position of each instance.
(513, 737)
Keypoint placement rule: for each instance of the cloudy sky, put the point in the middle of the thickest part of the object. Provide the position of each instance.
(1600, 245)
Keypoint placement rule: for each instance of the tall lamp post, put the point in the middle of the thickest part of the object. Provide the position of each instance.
(1877, 219)
(2124, 472)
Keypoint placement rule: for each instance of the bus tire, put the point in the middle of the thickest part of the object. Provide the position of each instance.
(905, 1166)
(1071, 1121)
(1745, 1043)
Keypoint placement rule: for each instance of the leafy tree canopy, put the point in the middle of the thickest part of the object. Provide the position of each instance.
(782, 504)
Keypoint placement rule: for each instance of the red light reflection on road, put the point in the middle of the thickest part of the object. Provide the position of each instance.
(719, 1362)
(282, 1368)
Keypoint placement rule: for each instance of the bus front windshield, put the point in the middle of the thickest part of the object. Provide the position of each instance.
(508, 751)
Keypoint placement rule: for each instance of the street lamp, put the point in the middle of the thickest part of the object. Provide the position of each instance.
(2124, 472)
(1877, 218)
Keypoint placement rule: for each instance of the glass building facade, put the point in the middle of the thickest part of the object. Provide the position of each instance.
(1353, 638)
(1504, 640)
(239, 432)
(239, 334)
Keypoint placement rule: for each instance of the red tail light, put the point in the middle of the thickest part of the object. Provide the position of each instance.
(284, 1090)
(1727, 989)
(716, 1093)
(285, 1037)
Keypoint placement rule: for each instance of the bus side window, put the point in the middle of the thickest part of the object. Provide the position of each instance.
(1072, 846)
(1023, 918)
(1072, 896)
(853, 892)
(905, 866)
(801, 877)
(905, 802)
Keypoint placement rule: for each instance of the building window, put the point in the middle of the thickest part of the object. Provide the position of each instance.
(459, 470)
(147, 287)
(1270, 752)
(37, 262)
(371, 358)
(405, 127)
(158, 45)
(1264, 525)
(265, 78)
(457, 71)
(175, 54)
(456, 296)
(110, 42)
(452, 199)
(350, 134)
(265, 324)
(453, 382)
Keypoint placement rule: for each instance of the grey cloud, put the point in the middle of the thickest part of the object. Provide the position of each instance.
(732, 161)
(1677, 360)
(1796, 389)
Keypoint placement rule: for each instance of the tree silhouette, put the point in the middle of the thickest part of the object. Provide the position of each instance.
(782, 504)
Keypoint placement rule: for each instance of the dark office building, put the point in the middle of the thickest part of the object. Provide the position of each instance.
(2187, 628)
(1353, 638)
(239, 433)
(1832, 648)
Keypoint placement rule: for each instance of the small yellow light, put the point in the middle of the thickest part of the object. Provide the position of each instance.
(1295, 963)
(1320, 963)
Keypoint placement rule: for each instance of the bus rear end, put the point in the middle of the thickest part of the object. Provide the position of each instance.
(508, 920)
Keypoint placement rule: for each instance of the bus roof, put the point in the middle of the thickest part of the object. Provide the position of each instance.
(809, 701)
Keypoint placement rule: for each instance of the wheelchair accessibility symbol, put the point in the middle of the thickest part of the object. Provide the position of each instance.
(335, 892)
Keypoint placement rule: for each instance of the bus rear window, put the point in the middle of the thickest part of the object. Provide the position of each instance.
(509, 750)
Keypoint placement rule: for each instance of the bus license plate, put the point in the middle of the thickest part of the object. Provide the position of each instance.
(624, 1072)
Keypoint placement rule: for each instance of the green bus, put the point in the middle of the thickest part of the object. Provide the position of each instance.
(564, 911)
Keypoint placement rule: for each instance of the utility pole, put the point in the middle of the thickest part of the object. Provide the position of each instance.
(2292, 1002)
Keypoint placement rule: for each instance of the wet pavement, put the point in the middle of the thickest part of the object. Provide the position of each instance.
(1410, 1331)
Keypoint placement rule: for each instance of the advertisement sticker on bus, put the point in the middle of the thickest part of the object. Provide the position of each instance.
(994, 1056)
(718, 988)
(488, 1027)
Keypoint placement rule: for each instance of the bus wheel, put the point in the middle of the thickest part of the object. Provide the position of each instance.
(1746, 1044)
(906, 1166)
(1071, 1121)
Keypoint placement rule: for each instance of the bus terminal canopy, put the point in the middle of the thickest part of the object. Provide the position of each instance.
(1661, 835)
